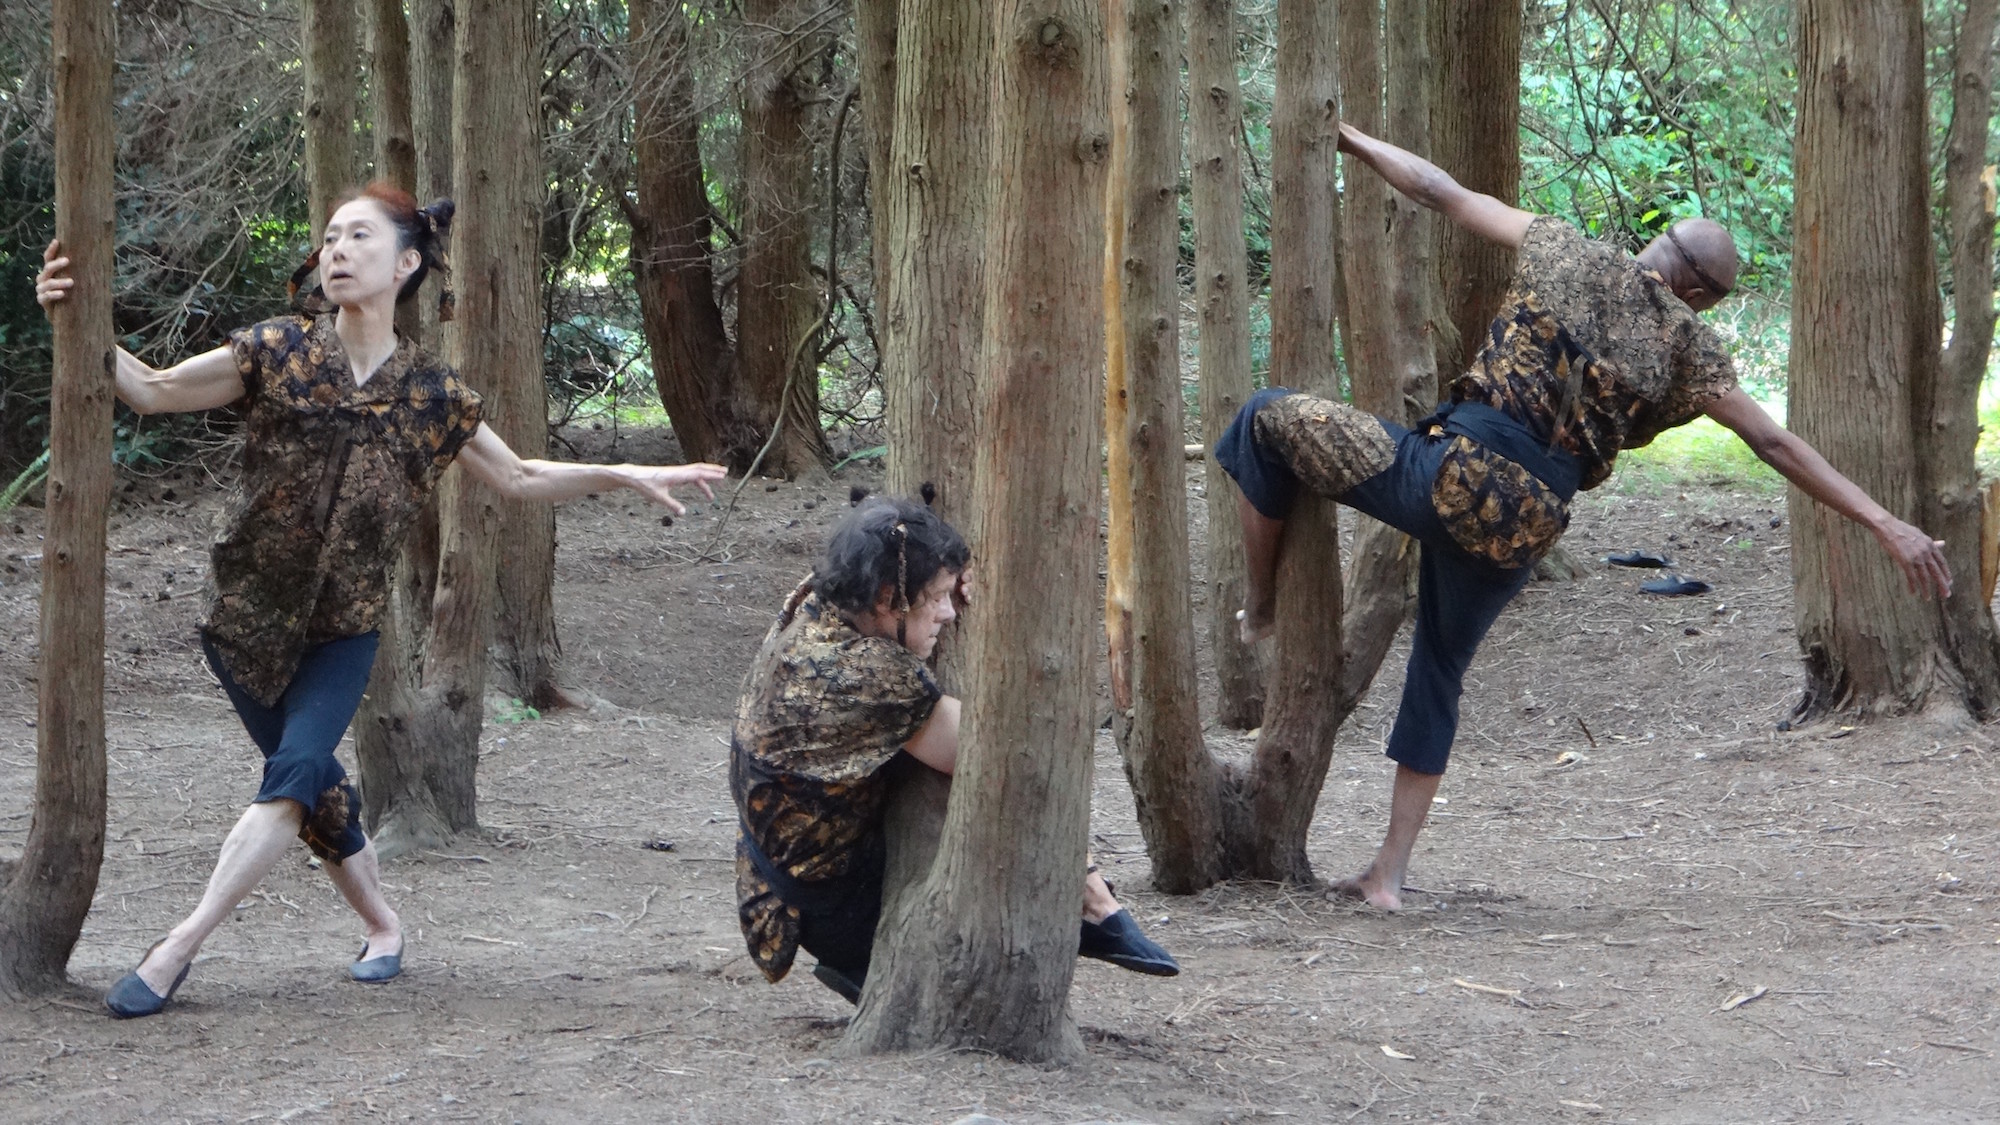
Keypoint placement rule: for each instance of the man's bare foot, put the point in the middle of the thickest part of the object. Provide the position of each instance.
(1371, 890)
(1255, 622)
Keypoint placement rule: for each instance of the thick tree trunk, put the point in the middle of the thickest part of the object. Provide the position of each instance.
(694, 364)
(1148, 621)
(1222, 291)
(1949, 496)
(984, 956)
(47, 894)
(1476, 136)
(777, 302)
(1865, 336)
(330, 33)
(932, 197)
(1273, 804)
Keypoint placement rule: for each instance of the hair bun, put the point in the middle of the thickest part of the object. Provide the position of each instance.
(439, 214)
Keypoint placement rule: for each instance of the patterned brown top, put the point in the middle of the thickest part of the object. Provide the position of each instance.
(823, 710)
(333, 476)
(1585, 325)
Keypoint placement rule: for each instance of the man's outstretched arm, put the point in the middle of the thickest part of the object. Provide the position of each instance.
(1431, 186)
(1920, 557)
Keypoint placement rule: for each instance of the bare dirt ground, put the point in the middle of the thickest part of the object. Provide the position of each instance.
(1594, 905)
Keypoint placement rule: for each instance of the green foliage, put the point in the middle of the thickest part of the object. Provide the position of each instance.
(515, 711)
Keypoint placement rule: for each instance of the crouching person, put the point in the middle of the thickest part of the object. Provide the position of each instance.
(839, 690)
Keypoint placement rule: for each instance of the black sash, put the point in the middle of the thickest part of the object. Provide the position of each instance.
(1559, 470)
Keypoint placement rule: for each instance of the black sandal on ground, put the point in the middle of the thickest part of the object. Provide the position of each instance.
(1119, 940)
(132, 997)
(847, 982)
(376, 971)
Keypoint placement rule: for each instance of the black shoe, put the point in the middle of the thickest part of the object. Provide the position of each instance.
(1674, 586)
(847, 982)
(1119, 940)
(132, 997)
(377, 970)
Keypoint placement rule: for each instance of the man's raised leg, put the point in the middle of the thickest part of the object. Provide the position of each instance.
(1262, 536)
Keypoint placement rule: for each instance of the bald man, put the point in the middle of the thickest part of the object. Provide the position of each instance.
(1594, 352)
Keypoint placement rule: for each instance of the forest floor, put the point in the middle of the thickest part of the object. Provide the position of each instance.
(1590, 907)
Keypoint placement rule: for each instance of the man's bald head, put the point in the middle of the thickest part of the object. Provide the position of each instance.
(1698, 259)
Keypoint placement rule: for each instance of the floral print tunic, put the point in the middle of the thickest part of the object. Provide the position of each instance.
(333, 477)
(823, 709)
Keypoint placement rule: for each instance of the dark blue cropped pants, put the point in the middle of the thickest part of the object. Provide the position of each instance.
(1458, 596)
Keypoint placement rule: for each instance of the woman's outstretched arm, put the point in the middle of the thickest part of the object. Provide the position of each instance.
(205, 382)
(494, 465)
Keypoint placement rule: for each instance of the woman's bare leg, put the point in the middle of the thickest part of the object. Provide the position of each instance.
(252, 848)
(359, 878)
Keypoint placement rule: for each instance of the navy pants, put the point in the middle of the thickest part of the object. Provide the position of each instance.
(299, 735)
(1458, 596)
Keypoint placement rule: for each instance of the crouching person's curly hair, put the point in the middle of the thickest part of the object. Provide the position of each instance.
(888, 541)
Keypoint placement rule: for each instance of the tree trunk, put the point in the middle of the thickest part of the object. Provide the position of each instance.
(1864, 368)
(389, 94)
(877, 25)
(694, 364)
(416, 734)
(777, 302)
(1148, 621)
(1416, 303)
(507, 68)
(47, 894)
(1273, 803)
(1222, 290)
(1949, 495)
(331, 36)
(1476, 134)
(984, 956)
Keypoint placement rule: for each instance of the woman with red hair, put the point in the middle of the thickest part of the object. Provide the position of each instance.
(347, 428)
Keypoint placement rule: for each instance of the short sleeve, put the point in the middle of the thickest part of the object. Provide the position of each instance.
(1702, 374)
(247, 345)
(874, 701)
(465, 410)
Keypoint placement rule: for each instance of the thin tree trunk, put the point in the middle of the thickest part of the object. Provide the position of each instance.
(1476, 134)
(694, 364)
(1950, 497)
(389, 94)
(509, 195)
(777, 302)
(928, 190)
(46, 895)
(877, 26)
(1416, 303)
(984, 955)
(416, 734)
(1865, 334)
(1277, 796)
(1222, 289)
(1148, 621)
(331, 35)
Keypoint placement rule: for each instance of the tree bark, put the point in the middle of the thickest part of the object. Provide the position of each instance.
(777, 303)
(984, 956)
(47, 894)
(1222, 291)
(1476, 136)
(694, 364)
(1865, 367)
(1148, 621)
(1950, 498)
(1416, 302)
(331, 34)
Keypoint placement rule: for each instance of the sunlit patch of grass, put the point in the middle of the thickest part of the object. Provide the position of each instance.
(1699, 453)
